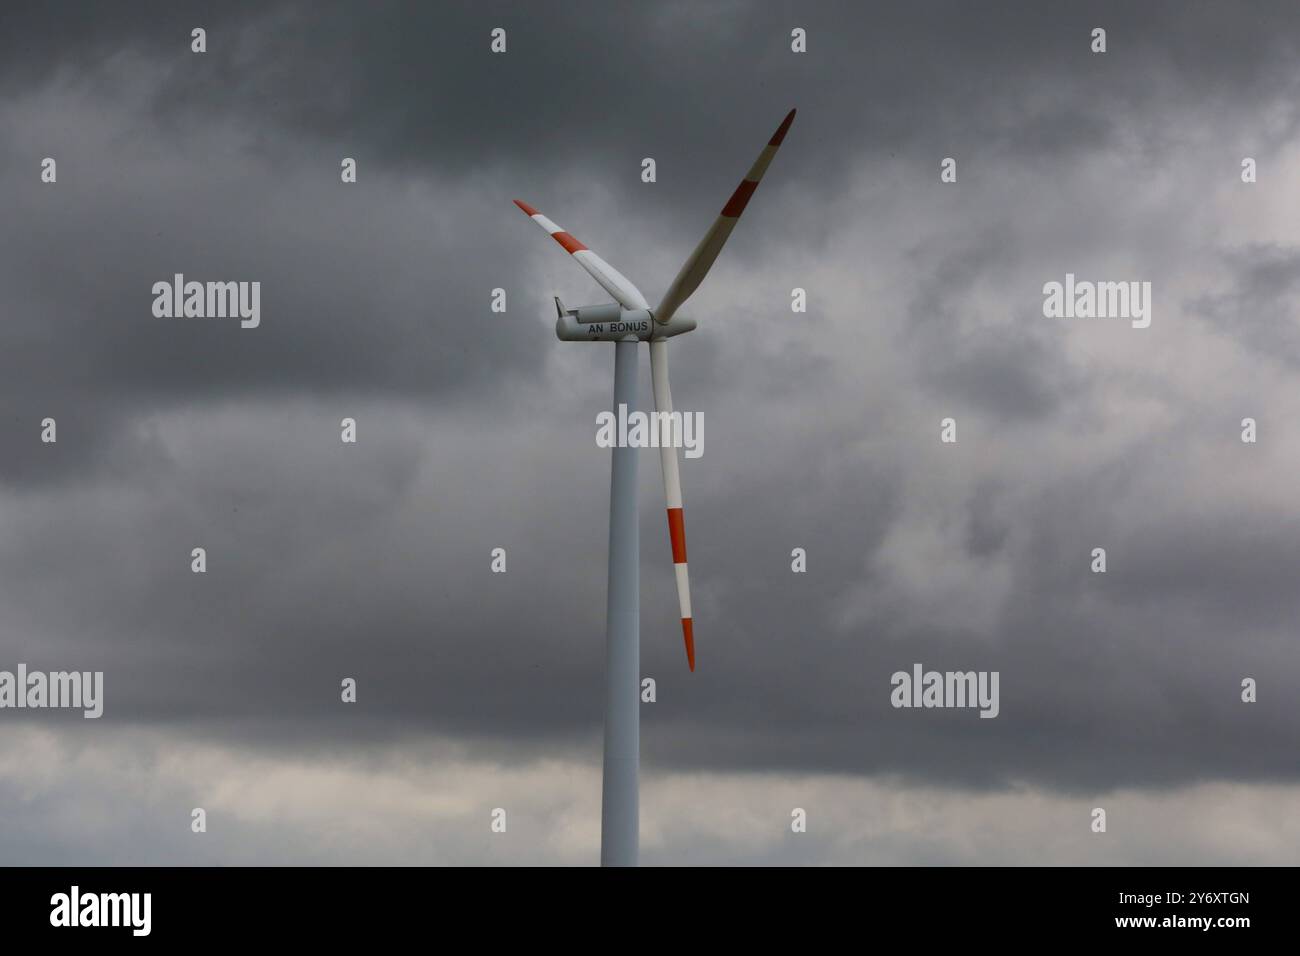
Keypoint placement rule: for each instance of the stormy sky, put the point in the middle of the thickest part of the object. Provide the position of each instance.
(476, 430)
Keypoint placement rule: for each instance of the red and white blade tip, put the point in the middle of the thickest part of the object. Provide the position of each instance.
(624, 292)
(782, 129)
(677, 537)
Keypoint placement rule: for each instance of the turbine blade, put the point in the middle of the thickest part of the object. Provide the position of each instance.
(701, 261)
(611, 280)
(673, 490)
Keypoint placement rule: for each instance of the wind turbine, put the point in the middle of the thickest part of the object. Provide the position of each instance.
(625, 322)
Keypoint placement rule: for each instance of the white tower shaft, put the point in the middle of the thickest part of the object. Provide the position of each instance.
(619, 805)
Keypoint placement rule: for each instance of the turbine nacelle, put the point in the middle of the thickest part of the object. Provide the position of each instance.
(612, 323)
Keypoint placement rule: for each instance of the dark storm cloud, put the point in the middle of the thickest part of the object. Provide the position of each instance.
(372, 561)
(1013, 371)
(290, 89)
(414, 85)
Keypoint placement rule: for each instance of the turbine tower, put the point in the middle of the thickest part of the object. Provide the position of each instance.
(625, 322)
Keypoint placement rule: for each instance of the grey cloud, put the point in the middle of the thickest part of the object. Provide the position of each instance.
(1260, 307)
(371, 561)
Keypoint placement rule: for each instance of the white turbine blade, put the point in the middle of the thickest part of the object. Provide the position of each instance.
(611, 280)
(697, 266)
(673, 489)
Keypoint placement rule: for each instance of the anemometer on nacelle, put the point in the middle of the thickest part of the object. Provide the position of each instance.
(611, 322)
